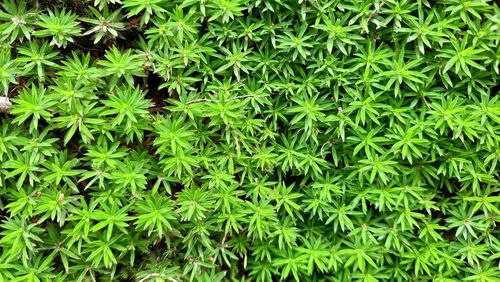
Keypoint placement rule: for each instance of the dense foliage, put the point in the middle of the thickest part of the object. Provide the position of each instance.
(239, 140)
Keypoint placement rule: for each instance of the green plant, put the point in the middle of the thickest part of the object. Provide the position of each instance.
(33, 104)
(105, 26)
(121, 65)
(148, 8)
(18, 20)
(101, 4)
(36, 59)
(8, 70)
(62, 26)
(222, 140)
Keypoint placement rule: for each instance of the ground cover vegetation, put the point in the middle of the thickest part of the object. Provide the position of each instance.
(238, 140)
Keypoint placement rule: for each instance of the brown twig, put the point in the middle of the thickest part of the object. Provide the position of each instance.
(149, 276)
(375, 11)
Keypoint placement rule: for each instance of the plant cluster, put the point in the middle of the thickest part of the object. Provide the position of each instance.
(238, 140)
